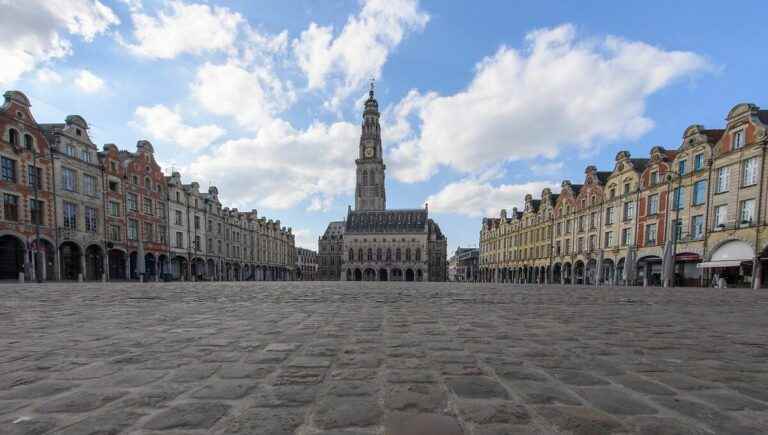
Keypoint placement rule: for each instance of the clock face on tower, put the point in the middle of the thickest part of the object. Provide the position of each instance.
(369, 152)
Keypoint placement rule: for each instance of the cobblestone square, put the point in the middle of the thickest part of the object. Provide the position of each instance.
(349, 358)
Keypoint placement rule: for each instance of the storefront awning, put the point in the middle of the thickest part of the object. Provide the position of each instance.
(721, 263)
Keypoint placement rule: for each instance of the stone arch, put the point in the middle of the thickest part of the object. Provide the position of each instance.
(409, 274)
(94, 262)
(12, 253)
(383, 275)
(71, 254)
(358, 274)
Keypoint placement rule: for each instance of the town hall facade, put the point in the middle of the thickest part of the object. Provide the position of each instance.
(373, 243)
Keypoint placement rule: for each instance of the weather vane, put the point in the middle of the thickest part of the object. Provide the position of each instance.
(373, 84)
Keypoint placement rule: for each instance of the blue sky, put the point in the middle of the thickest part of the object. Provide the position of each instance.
(482, 103)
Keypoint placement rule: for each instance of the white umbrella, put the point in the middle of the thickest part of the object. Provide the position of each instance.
(667, 265)
(629, 266)
(599, 267)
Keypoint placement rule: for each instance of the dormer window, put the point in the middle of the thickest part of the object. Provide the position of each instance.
(113, 166)
(681, 167)
(19, 115)
(78, 132)
(29, 143)
(738, 139)
(654, 178)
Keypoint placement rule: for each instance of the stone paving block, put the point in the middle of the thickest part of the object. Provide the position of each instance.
(341, 412)
(196, 415)
(421, 424)
(493, 411)
(351, 374)
(508, 429)
(28, 425)
(80, 401)
(239, 371)
(647, 425)
(410, 376)
(578, 420)
(682, 382)
(578, 378)
(224, 390)
(36, 390)
(153, 396)
(135, 378)
(110, 422)
(643, 385)
(477, 387)
(193, 373)
(351, 388)
(93, 371)
(292, 375)
(415, 397)
(284, 395)
(282, 347)
(15, 379)
(730, 401)
(266, 421)
(520, 374)
(309, 362)
(615, 401)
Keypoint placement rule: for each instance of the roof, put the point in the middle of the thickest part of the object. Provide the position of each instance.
(576, 188)
(334, 229)
(535, 203)
(640, 164)
(602, 176)
(715, 134)
(387, 221)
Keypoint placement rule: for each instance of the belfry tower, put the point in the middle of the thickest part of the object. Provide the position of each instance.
(369, 192)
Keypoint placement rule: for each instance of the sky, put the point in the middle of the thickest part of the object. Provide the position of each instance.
(481, 103)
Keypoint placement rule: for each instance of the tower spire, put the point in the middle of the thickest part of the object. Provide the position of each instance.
(372, 87)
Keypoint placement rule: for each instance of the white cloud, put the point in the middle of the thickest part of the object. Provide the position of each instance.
(47, 75)
(475, 198)
(281, 167)
(252, 95)
(34, 31)
(89, 82)
(162, 123)
(559, 92)
(183, 28)
(305, 238)
(361, 48)
(549, 168)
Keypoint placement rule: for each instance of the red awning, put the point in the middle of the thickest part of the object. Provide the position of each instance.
(687, 257)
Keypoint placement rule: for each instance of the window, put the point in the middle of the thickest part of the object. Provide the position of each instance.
(568, 226)
(179, 221)
(90, 219)
(10, 207)
(398, 256)
(697, 227)
(132, 202)
(351, 254)
(738, 139)
(161, 232)
(389, 253)
(626, 188)
(567, 246)
(85, 155)
(681, 167)
(678, 198)
(36, 214)
(133, 229)
(559, 229)
(650, 234)
(114, 186)
(70, 150)
(219, 246)
(89, 185)
(148, 209)
(378, 254)
(698, 162)
(629, 210)
(179, 239)
(677, 229)
(580, 245)
(149, 235)
(722, 180)
(70, 180)
(135, 180)
(13, 136)
(113, 166)
(592, 242)
(609, 239)
(161, 206)
(654, 178)
(612, 193)
(34, 176)
(8, 169)
(210, 225)
(581, 223)
(747, 211)
(699, 192)
(653, 204)
(114, 232)
(178, 197)
(370, 254)
(70, 215)
(197, 222)
(626, 237)
(593, 220)
(749, 172)
(197, 243)
(721, 215)
(114, 209)
(609, 215)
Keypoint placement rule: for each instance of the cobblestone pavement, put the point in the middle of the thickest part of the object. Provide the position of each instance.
(380, 358)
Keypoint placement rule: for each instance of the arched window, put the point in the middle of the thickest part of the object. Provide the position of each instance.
(389, 254)
(351, 254)
(370, 254)
(13, 136)
(418, 254)
(360, 254)
(407, 254)
(378, 254)
(365, 177)
(28, 141)
(397, 254)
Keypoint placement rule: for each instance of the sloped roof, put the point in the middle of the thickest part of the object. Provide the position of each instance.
(387, 221)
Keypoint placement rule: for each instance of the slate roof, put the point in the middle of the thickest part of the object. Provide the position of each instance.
(387, 221)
